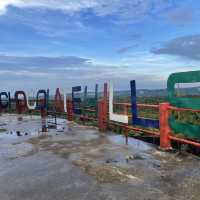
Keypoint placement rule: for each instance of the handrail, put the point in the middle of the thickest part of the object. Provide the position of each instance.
(139, 105)
(183, 109)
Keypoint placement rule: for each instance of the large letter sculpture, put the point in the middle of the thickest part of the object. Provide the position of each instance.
(76, 101)
(96, 99)
(148, 123)
(43, 105)
(187, 129)
(65, 102)
(58, 102)
(30, 107)
(113, 116)
(4, 102)
(21, 103)
(90, 100)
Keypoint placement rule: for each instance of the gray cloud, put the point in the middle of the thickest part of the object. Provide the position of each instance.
(126, 49)
(41, 62)
(32, 73)
(180, 16)
(126, 10)
(187, 46)
(135, 36)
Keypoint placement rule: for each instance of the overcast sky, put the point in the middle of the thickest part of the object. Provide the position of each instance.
(63, 43)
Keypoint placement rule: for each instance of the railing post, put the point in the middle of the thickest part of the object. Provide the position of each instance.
(69, 110)
(125, 109)
(58, 102)
(101, 115)
(126, 135)
(43, 115)
(165, 143)
(105, 105)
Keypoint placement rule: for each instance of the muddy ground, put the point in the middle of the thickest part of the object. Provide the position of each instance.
(81, 163)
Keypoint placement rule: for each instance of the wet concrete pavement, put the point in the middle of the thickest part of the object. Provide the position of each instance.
(81, 163)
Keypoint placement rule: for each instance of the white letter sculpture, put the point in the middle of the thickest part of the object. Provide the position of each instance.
(28, 105)
(113, 116)
(65, 102)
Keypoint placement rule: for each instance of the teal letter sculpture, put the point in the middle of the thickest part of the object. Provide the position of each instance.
(189, 130)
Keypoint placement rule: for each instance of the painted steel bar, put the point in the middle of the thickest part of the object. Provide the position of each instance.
(43, 114)
(183, 109)
(101, 115)
(85, 98)
(20, 103)
(180, 140)
(65, 102)
(85, 94)
(89, 110)
(185, 141)
(138, 105)
(147, 123)
(76, 100)
(4, 105)
(156, 133)
(55, 112)
(84, 102)
(88, 118)
(40, 106)
(113, 116)
(9, 97)
(105, 97)
(47, 100)
(69, 110)
(165, 142)
(96, 99)
(58, 102)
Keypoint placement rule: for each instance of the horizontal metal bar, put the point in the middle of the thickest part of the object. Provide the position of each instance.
(185, 141)
(88, 118)
(90, 110)
(183, 109)
(135, 129)
(139, 105)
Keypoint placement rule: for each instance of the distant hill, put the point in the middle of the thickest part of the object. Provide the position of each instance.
(192, 91)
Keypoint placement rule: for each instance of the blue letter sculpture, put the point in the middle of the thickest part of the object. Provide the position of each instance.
(40, 105)
(148, 123)
(6, 102)
(76, 100)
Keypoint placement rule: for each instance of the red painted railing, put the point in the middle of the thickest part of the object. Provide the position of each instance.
(164, 133)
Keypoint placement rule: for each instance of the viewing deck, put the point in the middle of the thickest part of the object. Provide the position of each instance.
(79, 162)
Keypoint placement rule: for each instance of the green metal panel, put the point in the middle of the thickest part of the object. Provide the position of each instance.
(187, 129)
(183, 77)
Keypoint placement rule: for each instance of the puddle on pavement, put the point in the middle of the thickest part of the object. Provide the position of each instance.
(132, 143)
(12, 151)
(29, 126)
(106, 158)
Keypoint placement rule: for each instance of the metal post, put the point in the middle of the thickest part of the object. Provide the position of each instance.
(126, 135)
(165, 142)
(101, 115)
(58, 102)
(43, 116)
(69, 110)
(105, 105)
